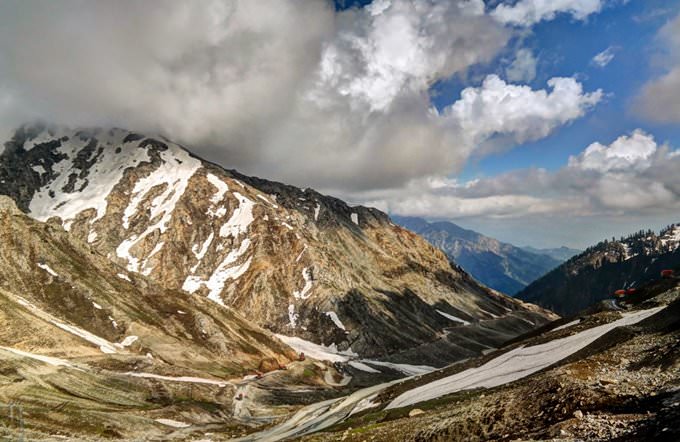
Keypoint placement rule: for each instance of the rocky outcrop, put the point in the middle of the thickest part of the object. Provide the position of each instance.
(291, 260)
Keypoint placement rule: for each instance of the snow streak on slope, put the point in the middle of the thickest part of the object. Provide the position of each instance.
(189, 379)
(304, 293)
(453, 318)
(318, 416)
(223, 273)
(317, 351)
(515, 364)
(173, 174)
(567, 325)
(240, 219)
(46, 359)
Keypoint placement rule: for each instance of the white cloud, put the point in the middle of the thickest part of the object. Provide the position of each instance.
(605, 57)
(626, 152)
(523, 67)
(632, 176)
(499, 108)
(529, 12)
(659, 99)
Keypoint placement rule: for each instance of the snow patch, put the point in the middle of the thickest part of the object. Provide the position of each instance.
(304, 293)
(46, 359)
(317, 210)
(365, 404)
(222, 189)
(336, 320)
(263, 198)
(570, 324)
(240, 219)
(301, 253)
(172, 423)
(199, 254)
(515, 364)
(292, 316)
(224, 272)
(317, 351)
(104, 345)
(407, 369)
(363, 367)
(175, 171)
(128, 341)
(453, 318)
(50, 200)
(189, 379)
(124, 276)
(355, 218)
(48, 269)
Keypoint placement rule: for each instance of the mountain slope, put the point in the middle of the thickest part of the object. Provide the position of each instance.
(596, 273)
(90, 351)
(606, 375)
(499, 265)
(294, 261)
(61, 298)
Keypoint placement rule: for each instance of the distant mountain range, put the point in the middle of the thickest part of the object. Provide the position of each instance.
(501, 266)
(559, 253)
(604, 268)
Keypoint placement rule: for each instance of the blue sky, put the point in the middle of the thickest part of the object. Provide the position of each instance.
(565, 47)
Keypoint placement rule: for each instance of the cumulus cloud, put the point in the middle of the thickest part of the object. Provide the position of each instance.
(523, 67)
(605, 57)
(659, 99)
(523, 114)
(632, 175)
(626, 152)
(529, 12)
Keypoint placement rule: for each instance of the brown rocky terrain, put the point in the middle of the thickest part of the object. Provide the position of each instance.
(625, 386)
(90, 351)
(292, 261)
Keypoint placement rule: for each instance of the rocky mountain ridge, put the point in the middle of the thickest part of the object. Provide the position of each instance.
(608, 266)
(499, 265)
(293, 261)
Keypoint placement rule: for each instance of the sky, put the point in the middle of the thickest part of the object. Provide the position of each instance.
(538, 123)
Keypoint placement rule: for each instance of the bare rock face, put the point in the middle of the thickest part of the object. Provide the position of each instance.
(290, 260)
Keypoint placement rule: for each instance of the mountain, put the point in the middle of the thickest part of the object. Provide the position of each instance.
(61, 297)
(602, 376)
(293, 261)
(90, 351)
(499, 265)
(600, 270)
(560, 253)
